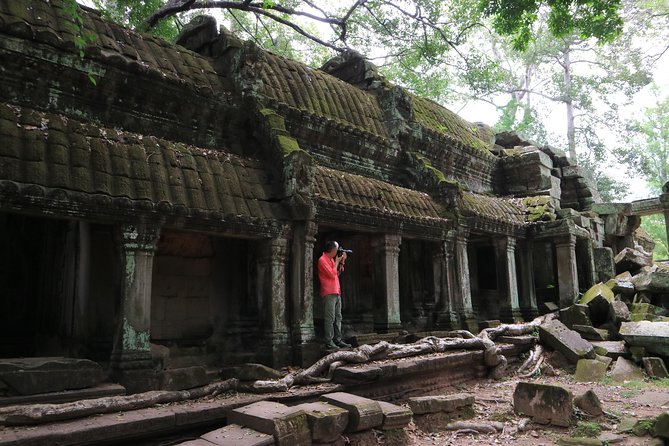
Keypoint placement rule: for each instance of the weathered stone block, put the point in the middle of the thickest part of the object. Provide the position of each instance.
(591, 333)
(30, 376)
(637, 353)
(619, 312)
(619, 286)
(395, 417)
(646, 308)
(183, 378)
(440, 403)
(632, 260)
(568, 342)
(363, 412)
(327, 422)
(661, 427)
(604, 264)
(589, 402)
(235, 435)
(611, 349)
(598, 299)
(288, 425)
(575, 315)
(545, 404)
(625, 370)
(654, 336)
(655, 367)
(590, 370)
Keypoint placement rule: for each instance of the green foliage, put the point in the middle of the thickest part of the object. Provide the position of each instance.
(655, 226)
(587, 429)
(585, 18)
(133, 14)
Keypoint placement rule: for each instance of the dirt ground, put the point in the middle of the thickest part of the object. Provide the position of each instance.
(635, 399)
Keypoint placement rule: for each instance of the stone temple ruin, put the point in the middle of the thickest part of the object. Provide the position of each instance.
(169, 215)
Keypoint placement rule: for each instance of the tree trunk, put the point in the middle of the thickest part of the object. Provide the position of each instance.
(569, 103)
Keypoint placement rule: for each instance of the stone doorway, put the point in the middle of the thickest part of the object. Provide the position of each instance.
(417, 287)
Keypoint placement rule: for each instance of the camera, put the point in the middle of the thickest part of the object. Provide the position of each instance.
(341, 251)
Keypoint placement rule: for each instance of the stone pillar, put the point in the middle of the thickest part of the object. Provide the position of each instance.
(387, 286)
(463, 292)
(444, 277)
(591, 270)
(567, 273)
(505, 252)
(131, 363)
(528, 298)
(274, 343)
(305, 349)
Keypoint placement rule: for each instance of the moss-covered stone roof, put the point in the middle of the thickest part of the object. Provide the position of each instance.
(444, 122)
(45, 21)
(55, 152)
(368, 194)
(296, 85)
(503, 210)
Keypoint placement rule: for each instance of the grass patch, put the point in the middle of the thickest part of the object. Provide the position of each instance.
(587, 429)
(608, 381)
(629, 393)
(664, 382)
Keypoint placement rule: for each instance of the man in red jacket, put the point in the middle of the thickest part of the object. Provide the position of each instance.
(330, 265)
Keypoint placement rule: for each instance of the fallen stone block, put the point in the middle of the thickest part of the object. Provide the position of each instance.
(326, 421)
(621, 286)
(183, 378)
(638, 317)
(288, 425)
(637, 353)
(605, 359)
(590, 370)
(611, 349)
(625, 370)
(661, 426)
(394, 416)
(654, 336)
(655, 367)
(545, 404)
(549, 307)
(235, 435)
(598, 299)
(591, 333)
(31, 376)
(619, 312)
(440, 403)
(575, 315)
(646, 308)
(363, 413)
(632, 260)
(589, 402)
(652, 282)
(568, 342)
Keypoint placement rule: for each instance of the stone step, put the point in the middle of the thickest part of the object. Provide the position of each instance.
(66, 396)
(363, 413)
(288, 425)
(232, 435)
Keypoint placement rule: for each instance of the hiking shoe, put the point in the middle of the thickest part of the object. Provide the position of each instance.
(331, 346)
(342, 344)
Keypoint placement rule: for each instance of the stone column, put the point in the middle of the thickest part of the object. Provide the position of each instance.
(305, 349)
(505, 251)
(528, 298)
(589, 252)
(387, 286)
(567, 273)
(444, 277)
(274, 343)
(131, 363)
(463, 292)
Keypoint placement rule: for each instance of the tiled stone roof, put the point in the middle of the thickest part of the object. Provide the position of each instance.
(314, 91)
(54, 152)
(46, 22)
(359, 192)
(503, 210)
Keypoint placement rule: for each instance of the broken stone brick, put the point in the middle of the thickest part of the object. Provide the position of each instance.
(589, 402)
(598, 299)
(652, 281)
(619, 312)
(288, 425)
(591, 333)
(590, 370)
(440, 403)
(632, 260)
(568, 342)
(653, 336)
(575, 315)
(646, 308)
(395, 417)
(363, 413)
(545, 404)
(235, 435)
(327, 422)
(655, 367)
(661, 427)
(625, 370)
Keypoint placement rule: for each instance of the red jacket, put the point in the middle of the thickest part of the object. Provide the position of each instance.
(328, 276)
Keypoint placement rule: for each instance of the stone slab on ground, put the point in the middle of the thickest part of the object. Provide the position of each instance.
(30, 376)
(591, 333)
(544, 403)
(440, 403)
(590, 370)
(661, 427)
(326, 421)
(625, 370)
(288, 425)
(568, 342)
(394, 416)
(66, 396)
(235, 435)
(654, 336)
(655, 367)
(652, 281)
(183, 378)
(612, 349)
(575, 315)
(363, 413)
(590, 403)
